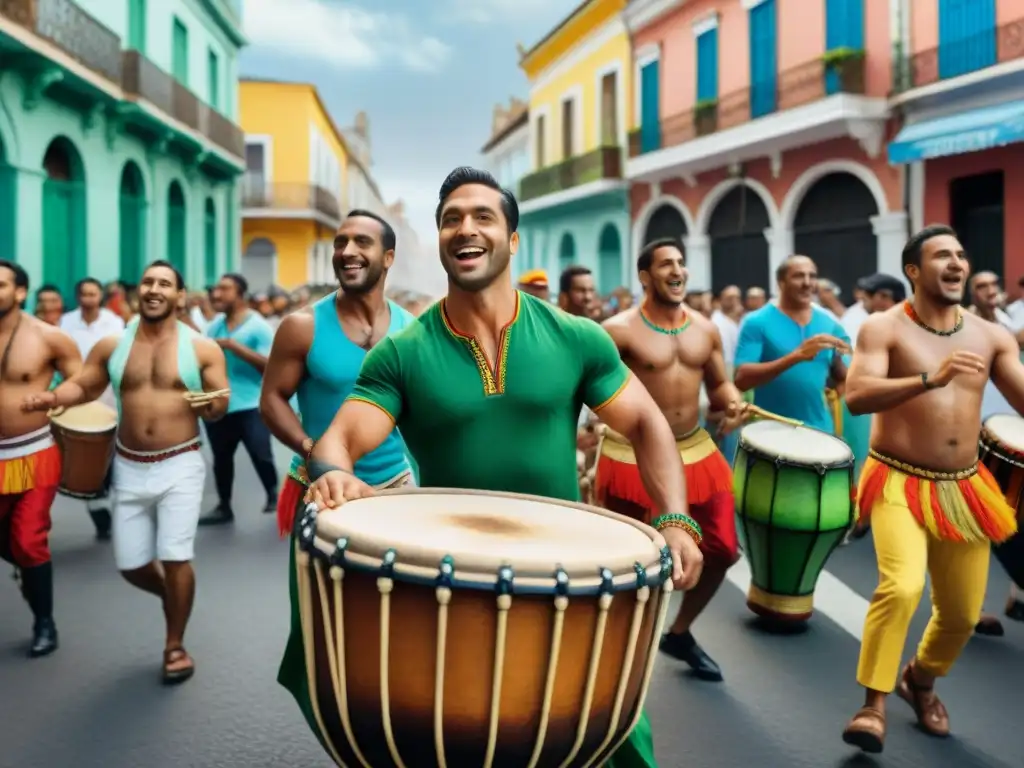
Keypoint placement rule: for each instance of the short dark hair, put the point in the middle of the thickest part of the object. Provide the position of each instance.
(783, 269)
(569, 274)
(47, 288)
(87, 281)
(464, 175)
(20, 275)
(912, 250)
(178, 277)
(240, 282)
(387, 233)
(646, 257)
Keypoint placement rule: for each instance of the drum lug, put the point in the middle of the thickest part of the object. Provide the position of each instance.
(641, 575)
(446, 573)
(306, 529)
(561, 582)
(666, 562)
(338, 556)
(506, 578)
(387, 564)
(607, 582)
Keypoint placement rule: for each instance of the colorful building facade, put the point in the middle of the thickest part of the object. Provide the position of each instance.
(118, 140)
(760, 129)
(960, 98)
(574, 203)
(507, 156)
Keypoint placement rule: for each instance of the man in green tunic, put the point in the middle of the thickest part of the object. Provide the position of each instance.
(487, 386)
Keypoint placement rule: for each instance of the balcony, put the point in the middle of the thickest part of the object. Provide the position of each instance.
(998, 45)
(144, 79)
(600, 164)
(804, 84)
(289, 200)
(64, 24)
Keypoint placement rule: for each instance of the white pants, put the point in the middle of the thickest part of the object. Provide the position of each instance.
(156, 509)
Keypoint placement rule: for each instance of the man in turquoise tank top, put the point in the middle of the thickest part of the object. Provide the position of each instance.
(316, 355)
(487, 385)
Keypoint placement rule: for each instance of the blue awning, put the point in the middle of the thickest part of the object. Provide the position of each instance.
(970, 131)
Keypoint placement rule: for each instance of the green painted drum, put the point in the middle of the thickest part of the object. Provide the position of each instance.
(794, 504)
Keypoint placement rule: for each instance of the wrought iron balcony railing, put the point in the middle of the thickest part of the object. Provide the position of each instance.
(601, 163)
(795, 87)
(65, 24)
(958, 57)
(257, 193)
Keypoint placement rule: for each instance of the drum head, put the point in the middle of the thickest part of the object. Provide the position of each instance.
(88, 418)
(482, 532)
(1007, 429)
(799, 445)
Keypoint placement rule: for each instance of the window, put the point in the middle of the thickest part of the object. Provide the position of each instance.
(179, 52)
(763, 63)
(707, 65)
(137, 25)
(650, 96)
(967, 36)
(610, 110)
(568, 127)
(540, 150)
(213, 77)
(844, 28)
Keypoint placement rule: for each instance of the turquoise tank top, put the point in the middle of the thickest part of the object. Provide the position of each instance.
(188, 362)
(332, 366)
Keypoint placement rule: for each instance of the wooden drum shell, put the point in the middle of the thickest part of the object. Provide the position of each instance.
(86, 456)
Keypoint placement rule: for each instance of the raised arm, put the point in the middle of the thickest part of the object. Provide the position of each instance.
(1007, 370)
(213, 369)
(91, 380)
(285, 368)
(868, 386)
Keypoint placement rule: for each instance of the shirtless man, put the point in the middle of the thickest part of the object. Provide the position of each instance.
(921, 367)
(164, 377)
(31, 352)
(673, 350)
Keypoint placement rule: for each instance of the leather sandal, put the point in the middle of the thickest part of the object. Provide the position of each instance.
(173, 673)
(931, 713)
(866, 730)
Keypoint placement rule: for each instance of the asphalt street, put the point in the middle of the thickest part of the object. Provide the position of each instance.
(97, 703)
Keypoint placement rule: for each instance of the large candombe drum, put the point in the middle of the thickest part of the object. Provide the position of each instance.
(457, 629)
(794, 504)
(1002, 452)
(86, 436)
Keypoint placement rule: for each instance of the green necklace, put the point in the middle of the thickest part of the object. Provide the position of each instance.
(667, 331)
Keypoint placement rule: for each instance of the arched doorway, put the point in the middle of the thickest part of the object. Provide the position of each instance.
(177, 221)
(609, 259)
(739, 250)
(259, 265)
(210, 242)
(133, 207)
(832, 225)
(65, 258)
(566, 253)
(8, 207)
(666, 221)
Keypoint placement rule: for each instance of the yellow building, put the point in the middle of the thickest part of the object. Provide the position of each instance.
(295, 187)
(575, 203)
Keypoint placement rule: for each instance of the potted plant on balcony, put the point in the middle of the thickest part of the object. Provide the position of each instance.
(848, 65)
(705, 117)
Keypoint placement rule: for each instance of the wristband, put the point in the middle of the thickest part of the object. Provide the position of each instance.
(317, 469)
(924, 380)
(675, 520)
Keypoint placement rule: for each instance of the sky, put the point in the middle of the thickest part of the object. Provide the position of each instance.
(427, 73)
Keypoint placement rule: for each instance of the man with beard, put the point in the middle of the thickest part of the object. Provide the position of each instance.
(921, 368)
(246, 339)
(789, 350)
(316, 356)
(159, 369)
(673, 350)
(576, 291)
(49, 304)
(32, 352)
(462, 384)
(87, 325)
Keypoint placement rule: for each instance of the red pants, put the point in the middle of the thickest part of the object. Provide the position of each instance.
(25, 514)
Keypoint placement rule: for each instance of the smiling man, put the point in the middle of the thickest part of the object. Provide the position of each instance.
(486, 387)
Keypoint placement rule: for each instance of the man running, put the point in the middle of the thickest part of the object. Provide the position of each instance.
(316, 355)
(462, 384)
(164, 376)
(672, 351)
(32, 352)
(921, 367)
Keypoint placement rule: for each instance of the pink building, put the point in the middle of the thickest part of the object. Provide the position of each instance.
(762, 132)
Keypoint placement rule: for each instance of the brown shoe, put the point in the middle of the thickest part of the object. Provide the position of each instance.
(931, 713)
(866, 730)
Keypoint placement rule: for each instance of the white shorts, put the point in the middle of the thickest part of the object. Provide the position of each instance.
(156, 509)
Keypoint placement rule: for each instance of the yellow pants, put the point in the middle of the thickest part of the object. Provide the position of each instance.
(906, 551)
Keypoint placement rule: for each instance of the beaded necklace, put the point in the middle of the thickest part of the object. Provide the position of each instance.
(908, 308)
(667, 331)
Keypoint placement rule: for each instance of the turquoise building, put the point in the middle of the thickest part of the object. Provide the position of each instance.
(118, 137)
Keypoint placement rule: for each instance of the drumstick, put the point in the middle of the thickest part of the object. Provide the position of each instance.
(207, 395)
(761, 413)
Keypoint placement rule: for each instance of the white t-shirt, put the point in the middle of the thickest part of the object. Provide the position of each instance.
(85, 336)
(729, 330)
(852, 320)
(992, 401)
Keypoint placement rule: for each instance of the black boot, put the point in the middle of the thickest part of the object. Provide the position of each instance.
(101, 519)
(37, 587)
(222, 514)
(685, 648)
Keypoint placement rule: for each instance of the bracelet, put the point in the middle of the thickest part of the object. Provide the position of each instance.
(675, 520)
(928, 386)
(316, 469)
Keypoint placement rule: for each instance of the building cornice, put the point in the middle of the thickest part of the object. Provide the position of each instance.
(566, 35)
(519, 121)
(225, 17)
(642, 13)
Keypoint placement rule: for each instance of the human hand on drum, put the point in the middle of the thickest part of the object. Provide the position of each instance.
(734, 416)
(957, 364)
(687, 559)
(819, 343)
(200, 400)
(335, 487)
(40, 401)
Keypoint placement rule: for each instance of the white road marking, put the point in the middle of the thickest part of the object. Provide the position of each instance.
(832, 598)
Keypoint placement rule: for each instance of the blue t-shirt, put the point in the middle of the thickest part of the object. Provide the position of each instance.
(798, 393)
(245, 381)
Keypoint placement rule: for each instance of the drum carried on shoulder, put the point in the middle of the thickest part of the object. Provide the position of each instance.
(795, 493)
(1001, 448)
(86, 435)
(448, 628)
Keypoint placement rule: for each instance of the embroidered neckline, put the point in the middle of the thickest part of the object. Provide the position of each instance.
(493, 379)
(908, 308)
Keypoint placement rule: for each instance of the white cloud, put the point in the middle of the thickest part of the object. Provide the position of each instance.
(341, 34)
(497, 11)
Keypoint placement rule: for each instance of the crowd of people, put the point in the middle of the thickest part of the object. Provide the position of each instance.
(368, 394)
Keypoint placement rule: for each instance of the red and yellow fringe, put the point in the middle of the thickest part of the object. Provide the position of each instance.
(37, 470)
(962, 507)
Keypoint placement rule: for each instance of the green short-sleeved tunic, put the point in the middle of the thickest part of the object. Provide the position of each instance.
(506, 426)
